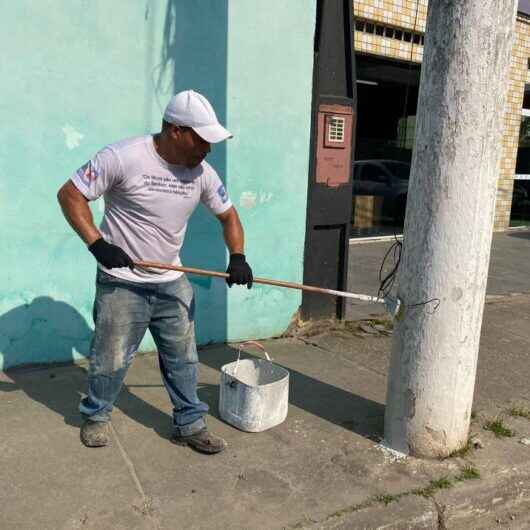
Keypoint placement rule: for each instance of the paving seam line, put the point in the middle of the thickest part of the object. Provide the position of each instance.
(132, 472)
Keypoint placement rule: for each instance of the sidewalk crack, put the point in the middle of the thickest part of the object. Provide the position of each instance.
(314, 344)
(146, 507)
(441, 515)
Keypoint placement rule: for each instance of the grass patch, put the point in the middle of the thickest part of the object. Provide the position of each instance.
(468, 473)
(520, 412)
(378, 325)
(387, 499)
(303, 523)
(464, 450)
(498, 428)
(146, 507)
(441, 483)
(434, 486)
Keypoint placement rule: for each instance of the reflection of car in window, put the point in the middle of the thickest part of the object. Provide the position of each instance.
(521, 198)
(519, 193)
(386, 178)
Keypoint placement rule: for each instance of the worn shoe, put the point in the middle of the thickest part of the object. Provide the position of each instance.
(94, 433)
(202, 441)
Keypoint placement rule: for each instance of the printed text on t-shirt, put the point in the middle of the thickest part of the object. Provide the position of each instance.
(168, 184)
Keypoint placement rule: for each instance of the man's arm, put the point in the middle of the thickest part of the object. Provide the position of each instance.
(233, 231)
(238, 269)
(77, 212)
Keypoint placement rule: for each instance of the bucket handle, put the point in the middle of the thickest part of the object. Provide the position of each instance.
(250, 343)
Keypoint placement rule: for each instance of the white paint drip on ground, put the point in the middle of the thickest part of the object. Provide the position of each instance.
(391, 455)
(72, 137)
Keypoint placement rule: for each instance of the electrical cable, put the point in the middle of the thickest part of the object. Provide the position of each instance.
(387, 283)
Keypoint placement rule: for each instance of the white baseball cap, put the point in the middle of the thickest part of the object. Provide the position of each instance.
(191, 109)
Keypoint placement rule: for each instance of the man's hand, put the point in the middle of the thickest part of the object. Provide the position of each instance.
(110, 256)
(239, 271)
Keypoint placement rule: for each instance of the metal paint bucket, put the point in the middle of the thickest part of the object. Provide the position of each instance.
(254, 393)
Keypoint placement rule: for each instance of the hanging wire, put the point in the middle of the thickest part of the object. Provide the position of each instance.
(431, 311)
(386, 283)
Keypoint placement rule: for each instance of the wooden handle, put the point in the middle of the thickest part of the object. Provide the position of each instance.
(264, 281)
(204, 272)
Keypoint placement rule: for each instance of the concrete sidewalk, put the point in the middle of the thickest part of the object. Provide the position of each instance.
(322, 468)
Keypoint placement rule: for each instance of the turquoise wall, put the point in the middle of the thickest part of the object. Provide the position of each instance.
(77, 75)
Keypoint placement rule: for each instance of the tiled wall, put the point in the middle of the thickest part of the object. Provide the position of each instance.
(411, 15)
(387, 47)
(518, 76)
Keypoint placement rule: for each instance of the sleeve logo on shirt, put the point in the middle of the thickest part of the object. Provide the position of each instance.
(88, 173)
(222, 194)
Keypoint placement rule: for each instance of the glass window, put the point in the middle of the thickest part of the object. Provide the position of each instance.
(520, 211)
(523, 153)
(358, 172)
(374, 173)
(399, 170)
(386, 124)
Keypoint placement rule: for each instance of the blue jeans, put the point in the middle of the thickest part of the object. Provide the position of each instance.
(123, 311)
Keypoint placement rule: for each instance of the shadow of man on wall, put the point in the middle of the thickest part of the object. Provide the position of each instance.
(194, 55)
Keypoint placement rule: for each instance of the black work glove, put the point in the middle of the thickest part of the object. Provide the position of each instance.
(239, 271)
(110, 256)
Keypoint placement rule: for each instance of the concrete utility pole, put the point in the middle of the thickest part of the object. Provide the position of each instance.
(449, 224)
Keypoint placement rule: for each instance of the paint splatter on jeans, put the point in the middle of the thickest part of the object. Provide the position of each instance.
(123, 311)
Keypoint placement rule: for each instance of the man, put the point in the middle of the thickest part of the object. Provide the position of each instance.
(151, 185)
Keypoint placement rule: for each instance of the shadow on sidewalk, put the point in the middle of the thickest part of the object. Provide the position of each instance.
(59, 329)
(47, 323)
(350, 411)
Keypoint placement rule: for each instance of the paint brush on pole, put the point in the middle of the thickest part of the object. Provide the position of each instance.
(392, 305)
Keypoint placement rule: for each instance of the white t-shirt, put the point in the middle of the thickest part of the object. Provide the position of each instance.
(147, 202)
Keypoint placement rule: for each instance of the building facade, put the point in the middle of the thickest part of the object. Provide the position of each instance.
(388, 42)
